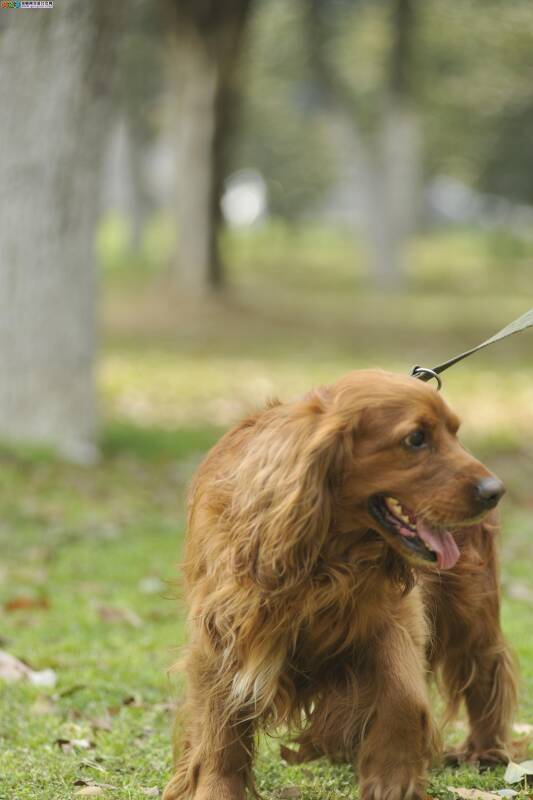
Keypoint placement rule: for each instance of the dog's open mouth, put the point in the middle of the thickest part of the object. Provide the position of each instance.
(425, 541)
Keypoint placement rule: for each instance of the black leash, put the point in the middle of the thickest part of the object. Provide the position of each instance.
(520, 324)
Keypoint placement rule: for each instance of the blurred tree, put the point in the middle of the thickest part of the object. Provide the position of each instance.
(138, 91)
(281, 135)
(282, 132)
(508, 164)
(398, 163)
(331, 117)
(206, 42)
(475, 64)
(381, 141)
(56, 77)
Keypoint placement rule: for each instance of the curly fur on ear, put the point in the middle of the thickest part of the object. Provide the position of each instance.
(286, 508)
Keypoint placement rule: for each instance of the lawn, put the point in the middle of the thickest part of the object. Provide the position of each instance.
(90, 584)
(90, 589)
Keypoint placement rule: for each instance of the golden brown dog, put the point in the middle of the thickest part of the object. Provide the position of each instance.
(340, 550)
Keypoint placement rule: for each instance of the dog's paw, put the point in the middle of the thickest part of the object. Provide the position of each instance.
(228, 787)
(468, 753)
(398, 784)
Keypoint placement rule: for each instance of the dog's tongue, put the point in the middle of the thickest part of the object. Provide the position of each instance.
(441, 542)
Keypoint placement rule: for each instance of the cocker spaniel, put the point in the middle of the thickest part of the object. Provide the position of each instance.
(341, 551)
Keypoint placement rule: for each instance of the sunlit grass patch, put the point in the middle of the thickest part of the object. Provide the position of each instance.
(167, 387)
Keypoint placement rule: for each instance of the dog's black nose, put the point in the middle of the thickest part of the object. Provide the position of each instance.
(489, 491)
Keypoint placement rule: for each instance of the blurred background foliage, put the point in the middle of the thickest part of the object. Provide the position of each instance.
(470, 81)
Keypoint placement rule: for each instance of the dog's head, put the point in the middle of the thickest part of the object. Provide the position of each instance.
(374, 451)
(407, 474)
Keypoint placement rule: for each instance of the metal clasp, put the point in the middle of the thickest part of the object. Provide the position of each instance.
(425, 374)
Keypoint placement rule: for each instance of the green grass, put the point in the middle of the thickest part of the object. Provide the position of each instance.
(85, 541)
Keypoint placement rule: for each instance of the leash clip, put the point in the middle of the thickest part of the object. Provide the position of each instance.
(425, 374)
(520, 324)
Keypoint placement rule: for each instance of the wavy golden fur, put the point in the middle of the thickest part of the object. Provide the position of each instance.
(307, 613)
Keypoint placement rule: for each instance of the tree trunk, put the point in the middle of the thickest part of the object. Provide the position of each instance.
(388, 161)
(141, 205)
(196, 268)
(394, 168)
(55, 69)
(203, 59)
(392, 195)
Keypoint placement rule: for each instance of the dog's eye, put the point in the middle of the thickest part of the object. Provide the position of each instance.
(415, 440)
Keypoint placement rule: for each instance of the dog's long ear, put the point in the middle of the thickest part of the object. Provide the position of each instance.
(283, 493)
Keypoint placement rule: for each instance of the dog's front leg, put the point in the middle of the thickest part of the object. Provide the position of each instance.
(479, 668)
(399, 740)
(490, 701)
(476, 663)
(215, 753)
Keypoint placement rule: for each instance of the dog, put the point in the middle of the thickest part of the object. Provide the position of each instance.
(341, 551)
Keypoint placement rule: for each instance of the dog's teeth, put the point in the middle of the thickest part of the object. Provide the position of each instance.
(396, 507)
(393, 504)
(398, 511)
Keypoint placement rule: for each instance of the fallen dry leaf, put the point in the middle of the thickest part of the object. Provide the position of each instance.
(290, 792)
(12, 670)
(151, 791)
(523, 728)
(520, 591)
(44, 677)
(516, 772)
(82, 744)
(68, 745)
(133, 700)
(27, 603)
(473, 794)
(129, 700)
(101, 724)
(112, 614)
